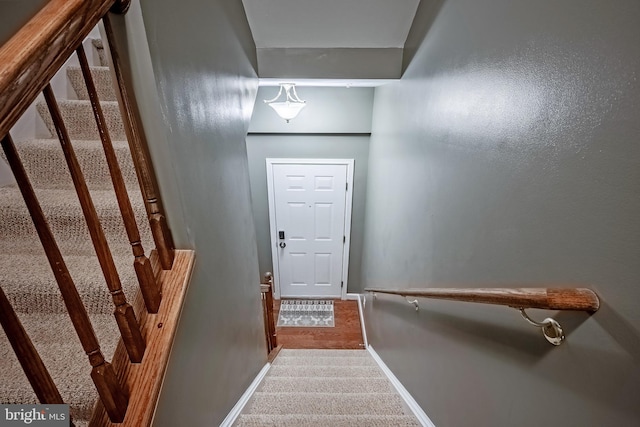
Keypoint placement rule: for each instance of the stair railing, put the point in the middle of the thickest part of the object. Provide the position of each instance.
(28, 62)
(575, 299)
(102, 373)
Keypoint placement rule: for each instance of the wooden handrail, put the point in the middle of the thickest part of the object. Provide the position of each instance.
(30, 59)
(581, 299)
(577, 299)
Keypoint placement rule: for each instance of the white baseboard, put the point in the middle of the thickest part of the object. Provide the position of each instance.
(352, 297)
(237, 409)
(410, 401)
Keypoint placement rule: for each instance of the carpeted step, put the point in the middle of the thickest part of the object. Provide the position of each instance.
(326, 421)
(47, 168)
(326, 385)
(325, 403)
(101, 79)
(80, 122)
(57, 343)
(287, 352)
(65, 219)
(323, 361)
(305, 388)
(31, 288)
(326, 371)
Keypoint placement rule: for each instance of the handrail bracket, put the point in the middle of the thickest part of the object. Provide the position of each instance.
(415, 303)
(551, 329)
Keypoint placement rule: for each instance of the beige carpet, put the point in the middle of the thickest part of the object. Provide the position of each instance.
(26, 275)
(318, 388)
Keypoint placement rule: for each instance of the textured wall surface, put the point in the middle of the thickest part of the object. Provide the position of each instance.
(508, 154)
(204, 64)
(261, 147)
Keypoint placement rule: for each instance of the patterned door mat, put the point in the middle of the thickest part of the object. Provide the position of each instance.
(306, 313)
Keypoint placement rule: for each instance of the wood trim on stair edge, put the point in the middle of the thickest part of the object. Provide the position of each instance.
(144, 380)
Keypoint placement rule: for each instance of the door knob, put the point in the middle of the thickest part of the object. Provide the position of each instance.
(282, 245)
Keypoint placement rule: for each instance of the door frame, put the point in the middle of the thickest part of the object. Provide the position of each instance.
(347, 215)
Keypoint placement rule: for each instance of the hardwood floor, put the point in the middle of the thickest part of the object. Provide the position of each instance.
(346, 334)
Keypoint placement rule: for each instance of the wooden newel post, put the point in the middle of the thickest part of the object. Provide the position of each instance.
(141, 158)
(267, 306)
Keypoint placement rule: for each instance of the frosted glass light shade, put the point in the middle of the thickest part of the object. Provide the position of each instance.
(286, 103)
(287, 110)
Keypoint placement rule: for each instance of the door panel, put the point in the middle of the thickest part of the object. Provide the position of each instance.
(310, 202)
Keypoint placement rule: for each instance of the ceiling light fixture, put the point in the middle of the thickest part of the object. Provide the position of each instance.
(288, 107)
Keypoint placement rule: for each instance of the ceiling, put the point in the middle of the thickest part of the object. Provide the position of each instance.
(330, 39)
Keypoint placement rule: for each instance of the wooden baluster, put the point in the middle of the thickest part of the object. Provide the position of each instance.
(141, 158)
(28, 356)
(124, 314)
(113, 395)
(150, 288)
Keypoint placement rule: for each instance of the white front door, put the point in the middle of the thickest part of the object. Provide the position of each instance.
(309, 206)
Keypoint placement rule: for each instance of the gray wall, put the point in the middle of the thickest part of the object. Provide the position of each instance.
(261, 147)
(14, 14)
(508, 154)
(203, 59)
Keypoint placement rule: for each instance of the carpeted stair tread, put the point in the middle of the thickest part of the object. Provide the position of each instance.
(325, 385)
(305, 388)
(57, 343)
(101, 79)
(286, 352)
(31, 246)
(80, 122)
(64, 215)
(30, 285)
(325, 403)
(47, 168)
(323, 361)
(326, 371)
(326, 421)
